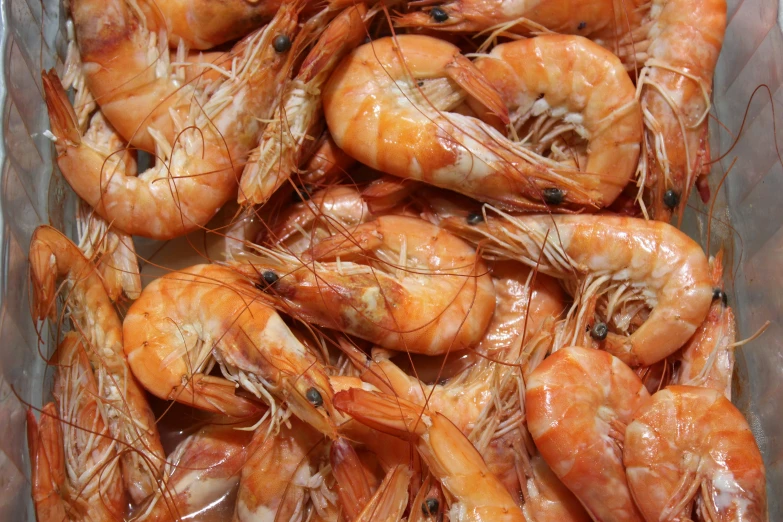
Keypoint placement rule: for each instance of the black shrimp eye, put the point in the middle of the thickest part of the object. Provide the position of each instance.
(439, 15)
(303, 193)
(474, 219)
(314, 397)
(430, 507)
(269, 277)
(281, 43)
(599, 331)
(553, 196)
(671, 199)
(717, 293)
(582, 25)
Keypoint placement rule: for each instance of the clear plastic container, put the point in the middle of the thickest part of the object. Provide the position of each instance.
(746, 219)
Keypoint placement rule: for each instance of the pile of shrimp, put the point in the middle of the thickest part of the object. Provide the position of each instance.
(424, 264)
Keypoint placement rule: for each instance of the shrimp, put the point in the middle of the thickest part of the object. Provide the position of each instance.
(571, 79)
(353, 481)
(52, 257)
(582, 441)
(197, 173)
(387, 106)
(278, 469)
(691, 443)
(202, 469)
(423, 290)
(284, 141)
(75, 468)
(477, 494)
(632, 263)
(185, 322)
(327, 162)
(547, 499)
(707, 359)
(389, 502)
(681, 48)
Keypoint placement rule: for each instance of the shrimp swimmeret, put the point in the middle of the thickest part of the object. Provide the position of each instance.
(399, 91)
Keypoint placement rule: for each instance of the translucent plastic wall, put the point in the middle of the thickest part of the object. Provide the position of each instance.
(747, 220)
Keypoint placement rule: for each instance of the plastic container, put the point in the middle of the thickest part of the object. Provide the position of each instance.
(747, 220)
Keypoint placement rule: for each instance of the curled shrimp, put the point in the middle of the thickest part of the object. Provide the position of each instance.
(631, 263)
(477, 494)
(585, 87)
(327, 162)
(582, 440)
(396, 281)
(274, 477)
(52, 257)
(202, 469)
(283, 144)
(75, 470)
(186, 322)
(691, 444)
(196, 173)
(681, 48)
(388, 104)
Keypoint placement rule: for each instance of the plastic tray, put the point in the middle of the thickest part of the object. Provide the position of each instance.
(748, 219)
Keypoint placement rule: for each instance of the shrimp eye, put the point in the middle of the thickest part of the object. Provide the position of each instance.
(281, 43)
(671, 199)
(314, 396)
(269, 278)
(553, 196)
(474, 219)
(303, 193)
(717, 293)
(430, 507)
(581, 26)
(599, 331)
(439, 15)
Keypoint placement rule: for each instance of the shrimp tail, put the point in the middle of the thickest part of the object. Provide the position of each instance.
(391, 499)
(47, 458)
(382, 412)
(217, 395)
(469, 77)
(44, 280)
(353, 488)
(62, 117)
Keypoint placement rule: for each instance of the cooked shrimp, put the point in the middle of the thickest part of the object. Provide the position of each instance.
(388, 104)
(689, 443)
(186, 322)
(284, 141)
(275, 476)
(52, 257)
(707, 359)
(390, 501)
(195, 174)
(333, 210)
(547, 499)
(582, 439)
(353, 482)
(203, 469)
(326, 163)
(75, 468)
(631, 263)
(683, 40)
(477, 494)
(556, 86)
(396, 281)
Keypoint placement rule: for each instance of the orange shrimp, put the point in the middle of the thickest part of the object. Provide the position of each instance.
(396, 281)
(53, 257)
(75, 470)
(391, 499)
(579, 402)
(186, 322)
(388, 105)
(690, 444)
(195, 174)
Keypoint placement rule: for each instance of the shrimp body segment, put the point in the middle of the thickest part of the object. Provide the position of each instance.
(478, 495)
(583, 84)
(387, 106)
(194, 175)
(54, 257)
(579, 402)
(631, 259)
(185, 322)
(396, 281)
(691, 443)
